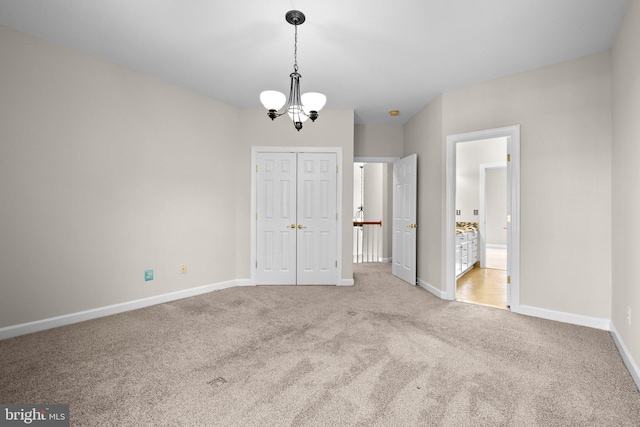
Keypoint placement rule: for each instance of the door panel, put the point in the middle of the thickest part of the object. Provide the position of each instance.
(405, 218)
(276, 197)
(317, 250)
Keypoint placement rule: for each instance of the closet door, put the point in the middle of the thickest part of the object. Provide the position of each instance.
(317, 219)
(296, 219)
(276, 218)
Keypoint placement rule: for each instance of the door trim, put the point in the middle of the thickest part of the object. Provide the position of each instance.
(375, 159)
(512, 133)
(254, 236)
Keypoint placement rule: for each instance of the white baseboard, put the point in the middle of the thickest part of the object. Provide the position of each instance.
(560, 316)
(496, 246)
(245, 282)
(67, 319)
(347, 282)
(430, 288)
(626, 356)
(386, 259)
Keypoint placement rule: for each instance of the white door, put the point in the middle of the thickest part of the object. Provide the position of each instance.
(317, 219)
(276, 218)
(296, 219)
(405, 183)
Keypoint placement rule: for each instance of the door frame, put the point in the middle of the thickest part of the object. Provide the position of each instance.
(512, 133)
(254, 235)
(482, 257)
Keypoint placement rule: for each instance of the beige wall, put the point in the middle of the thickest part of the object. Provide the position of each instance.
(626, 179)
(373, 194)
(378, 140)
(375, 203)
(105, 173)
(423, 136)
(565, 115)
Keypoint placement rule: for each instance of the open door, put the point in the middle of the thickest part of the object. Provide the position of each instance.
(405, 184)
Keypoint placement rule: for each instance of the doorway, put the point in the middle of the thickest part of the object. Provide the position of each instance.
(371, 215)
(454, 214)
(481, 232)
(372, 209)
(401, 211)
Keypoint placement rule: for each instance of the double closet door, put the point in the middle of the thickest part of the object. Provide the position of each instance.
(296, 219)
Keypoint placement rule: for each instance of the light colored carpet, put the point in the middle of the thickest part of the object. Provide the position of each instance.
(382, 353)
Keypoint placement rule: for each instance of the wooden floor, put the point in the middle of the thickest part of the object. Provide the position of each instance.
(484, 286)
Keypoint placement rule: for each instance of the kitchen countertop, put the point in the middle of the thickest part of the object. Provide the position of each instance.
(463, 227)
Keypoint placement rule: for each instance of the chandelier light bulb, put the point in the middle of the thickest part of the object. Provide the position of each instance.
(297, 114)
(272, 99)
(313, 101)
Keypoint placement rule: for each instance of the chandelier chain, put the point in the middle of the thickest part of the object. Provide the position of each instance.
(295, 50)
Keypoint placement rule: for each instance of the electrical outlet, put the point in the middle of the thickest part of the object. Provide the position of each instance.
(629, 315)
(183, 268)
(148, 275)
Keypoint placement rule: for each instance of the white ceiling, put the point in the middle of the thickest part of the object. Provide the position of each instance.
(369, 55)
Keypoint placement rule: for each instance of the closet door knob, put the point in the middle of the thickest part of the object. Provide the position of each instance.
(300, 227)
(291, 226)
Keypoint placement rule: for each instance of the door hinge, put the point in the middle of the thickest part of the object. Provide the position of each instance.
(256, 168)
(256, 263)
(336, 168)
(336, 264)
(509, 279)
(508, 157)
(256, 215)
(336, 216)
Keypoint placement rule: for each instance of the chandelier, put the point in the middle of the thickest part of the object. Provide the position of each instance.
(300, 107)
